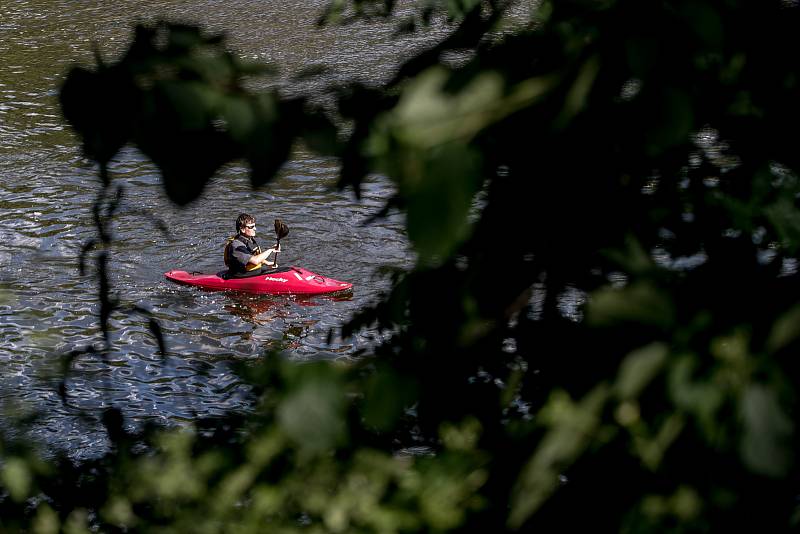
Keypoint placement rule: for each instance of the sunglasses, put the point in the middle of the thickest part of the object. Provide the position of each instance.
(250, 226)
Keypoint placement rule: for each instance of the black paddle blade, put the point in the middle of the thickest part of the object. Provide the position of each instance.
(281, 230)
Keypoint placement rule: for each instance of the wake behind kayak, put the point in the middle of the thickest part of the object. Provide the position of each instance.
(288, 281)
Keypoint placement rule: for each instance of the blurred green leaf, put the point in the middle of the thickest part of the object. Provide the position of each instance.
(701, 398)
(183, 38)
(388, 394)
(171, 475)
(671, 122)
(119, 512)
(429, 114)
(684, 504)
(77, 522)
(459, 8)
(439, 187)
(192, 104)
(234, 487)
(16, 476)
(633, 258)
(321, 135)
(464, 436)
(653, 449)
(271, 140)
(101, 106)
(240, 120)
(767, 445)
(639, 303)
(571, 428)
(785, 330)
(705, 22)
(312, 414)
(783, 214)
(642, 54)
(187, 159)
(447, 490)
(578, 94)
(639, 368)
(732, 349)
(46, 520)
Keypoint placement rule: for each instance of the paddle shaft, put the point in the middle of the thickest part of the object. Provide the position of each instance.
(281, 230)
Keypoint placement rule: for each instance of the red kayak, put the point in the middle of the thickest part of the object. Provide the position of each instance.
(285, 281)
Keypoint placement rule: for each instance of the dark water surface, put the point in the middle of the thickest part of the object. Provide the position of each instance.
(47, 190)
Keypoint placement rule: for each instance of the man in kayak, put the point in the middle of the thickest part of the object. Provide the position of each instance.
(243, 256)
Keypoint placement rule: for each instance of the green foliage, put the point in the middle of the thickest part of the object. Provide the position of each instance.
(179, 97)
(311, 415)
(17, 479)
(274, 467)
(626, 154)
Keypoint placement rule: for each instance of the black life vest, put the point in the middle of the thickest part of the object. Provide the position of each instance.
(227, 254)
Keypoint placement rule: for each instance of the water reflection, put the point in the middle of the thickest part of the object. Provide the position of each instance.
(262, 309)
(257, 309)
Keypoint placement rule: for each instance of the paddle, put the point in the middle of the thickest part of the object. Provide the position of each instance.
(281, 231)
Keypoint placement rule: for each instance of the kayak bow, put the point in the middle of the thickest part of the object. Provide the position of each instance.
(290, 281)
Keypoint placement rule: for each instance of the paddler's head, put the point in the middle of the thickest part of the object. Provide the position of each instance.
(246, 225)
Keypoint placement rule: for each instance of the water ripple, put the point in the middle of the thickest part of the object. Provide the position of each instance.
(46, 193)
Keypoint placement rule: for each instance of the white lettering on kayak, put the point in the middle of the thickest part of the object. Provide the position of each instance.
(298, 277)
(271, 279)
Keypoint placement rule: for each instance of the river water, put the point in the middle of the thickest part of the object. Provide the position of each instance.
(46, 194)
